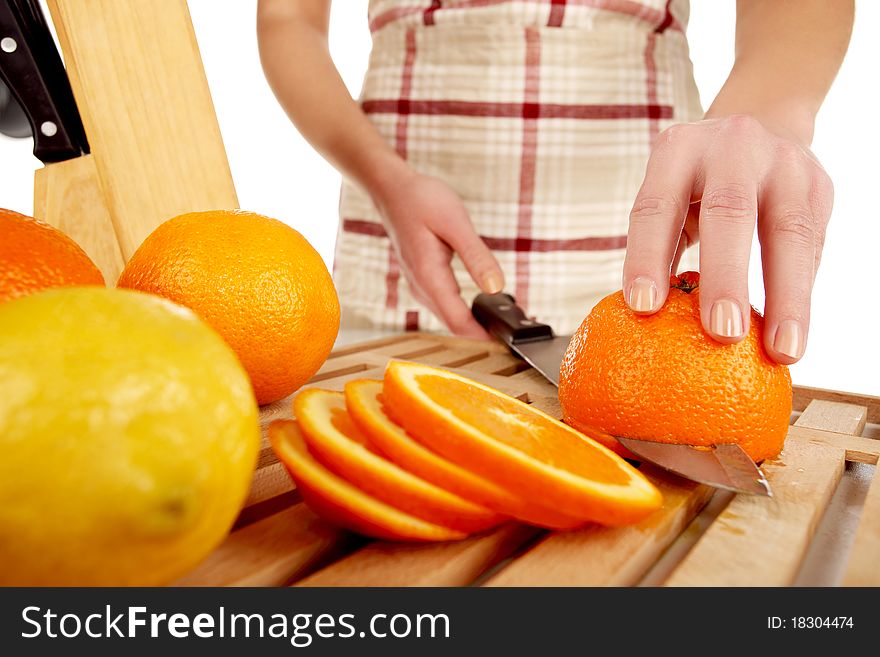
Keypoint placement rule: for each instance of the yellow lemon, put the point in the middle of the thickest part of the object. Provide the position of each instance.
(128, 438)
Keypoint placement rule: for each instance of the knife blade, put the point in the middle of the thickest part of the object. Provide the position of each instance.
(721, 466)
(724, 466)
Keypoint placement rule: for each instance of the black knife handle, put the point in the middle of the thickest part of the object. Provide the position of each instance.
(32, 70)
(500, 316)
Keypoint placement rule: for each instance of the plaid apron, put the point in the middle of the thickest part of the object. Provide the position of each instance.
(540, 115)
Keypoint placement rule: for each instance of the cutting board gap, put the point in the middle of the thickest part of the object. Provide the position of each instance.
(511, 369)
(418, 353)
(466, 360)
(373, 344)
(266, 458)
(343, 371)
(265, 508)
(871, 430)
(829, 550)
(524, 547)
(349, 544)
(519, 366)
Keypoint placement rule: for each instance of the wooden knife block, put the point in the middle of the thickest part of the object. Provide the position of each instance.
(156, 149)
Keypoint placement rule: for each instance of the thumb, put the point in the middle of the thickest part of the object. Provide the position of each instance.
(477, 258)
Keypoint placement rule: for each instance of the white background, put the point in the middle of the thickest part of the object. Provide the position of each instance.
(277, 174)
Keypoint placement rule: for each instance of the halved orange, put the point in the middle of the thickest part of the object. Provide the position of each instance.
(337, 443)
(363, 399)
(516, 446)
(343, 504)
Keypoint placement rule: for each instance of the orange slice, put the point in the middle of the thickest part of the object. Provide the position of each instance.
(516, 446)
(363, 398)
(341, 503)
(337, 443)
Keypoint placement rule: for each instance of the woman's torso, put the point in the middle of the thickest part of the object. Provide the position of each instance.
(540, 114)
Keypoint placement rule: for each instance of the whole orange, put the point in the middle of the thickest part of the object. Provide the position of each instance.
(661, 377)
(257, 281)
(35, 256)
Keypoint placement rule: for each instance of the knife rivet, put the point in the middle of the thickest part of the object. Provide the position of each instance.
(48, 128)
(8, 44)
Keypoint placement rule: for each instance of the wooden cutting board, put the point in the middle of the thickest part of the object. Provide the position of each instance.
(746, 540)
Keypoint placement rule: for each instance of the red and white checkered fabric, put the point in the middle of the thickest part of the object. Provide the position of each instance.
(540, 114)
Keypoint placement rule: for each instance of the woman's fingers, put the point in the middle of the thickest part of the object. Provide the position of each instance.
(427, 222)
(434, 285)
(442, 290)
(795, 208)
(728, 211)
(658, 215)
(735, 168)
(478, 259)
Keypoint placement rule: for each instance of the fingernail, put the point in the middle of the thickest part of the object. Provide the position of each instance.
(642, 295)
(726, 319)
(493, 283)
(789, 339)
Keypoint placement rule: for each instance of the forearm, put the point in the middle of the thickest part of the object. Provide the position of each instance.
(787, 55)
(297, 63)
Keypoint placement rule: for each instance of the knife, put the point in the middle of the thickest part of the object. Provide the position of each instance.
(35, 94)
(724, 466)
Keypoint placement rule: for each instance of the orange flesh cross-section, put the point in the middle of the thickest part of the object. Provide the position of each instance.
(525, 431)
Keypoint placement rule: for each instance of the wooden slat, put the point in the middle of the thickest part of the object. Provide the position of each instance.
(439, 564)
(803, 395)
(834, 416)
(455, 342)
(531, 378)
(271, 552)
(761, 541)
(609, 556)
(857, 449)
(863, 566)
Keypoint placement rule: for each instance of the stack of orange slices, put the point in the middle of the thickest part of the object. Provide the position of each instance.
(429, 455)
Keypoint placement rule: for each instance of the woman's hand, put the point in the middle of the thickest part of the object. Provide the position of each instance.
(711, 181)
(747, 162)
(428, 223)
